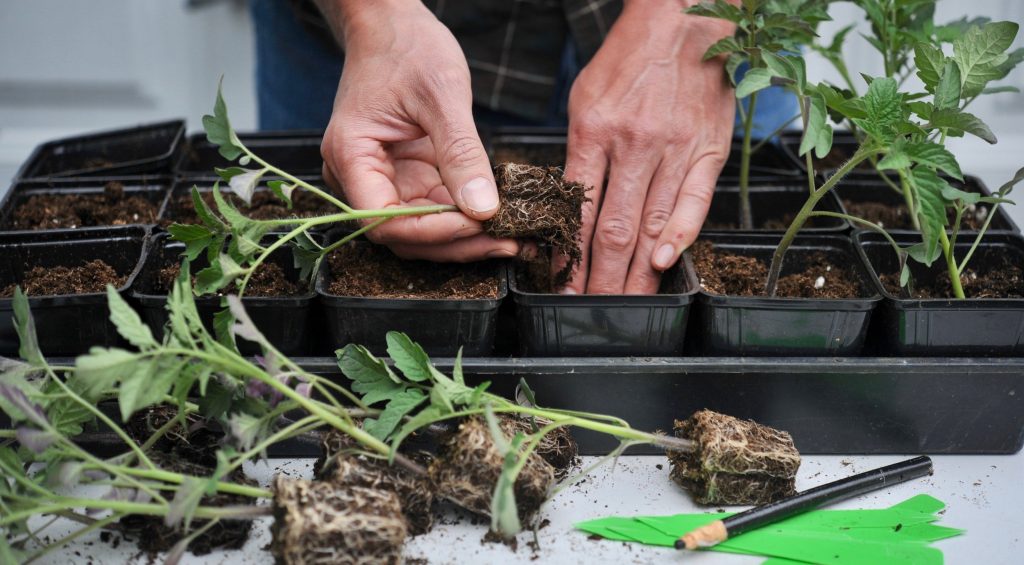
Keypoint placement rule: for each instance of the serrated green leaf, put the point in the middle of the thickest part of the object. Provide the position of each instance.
(25, 327)
(953, 194)
(732, 65)
(400, 405)
(980, 52)
(128, 322)
(371, 377)
(754, 81)
(931, 209)
(947, 91)
(306, 256)
(98, 370)
(409, 357)
(237, 220)
(204, 213)
(719, 9)
(930, 62)
(817, 135)
(423, 418)
(954, 119)
(780, 66)
(935, 156)
(457, 368)
(884, 110)
(283, 190)
(219, 131)
(196, 238)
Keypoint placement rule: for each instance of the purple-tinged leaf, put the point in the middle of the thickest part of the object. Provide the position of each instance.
(28, 411)
(34, 440)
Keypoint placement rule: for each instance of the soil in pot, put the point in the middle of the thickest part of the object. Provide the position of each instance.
(341, 463)
(1001, 279)
(323, 522)
(91, 277)
(735, 461)
(154, 537)
(468, 465)
(539, 205)
(58, 211)
(768, 223)
(731, 274)
(264, 206)
(195, 439)
(268, 280)
(374, 271)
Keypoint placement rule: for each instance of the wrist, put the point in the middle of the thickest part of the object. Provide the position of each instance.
(354, 19)
(667, 20)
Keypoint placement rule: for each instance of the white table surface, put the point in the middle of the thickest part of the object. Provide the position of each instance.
(983, 495)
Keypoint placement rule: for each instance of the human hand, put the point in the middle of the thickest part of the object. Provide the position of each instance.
(657, 121)
(402, 134)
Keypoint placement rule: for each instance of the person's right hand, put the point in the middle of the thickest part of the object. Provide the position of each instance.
(402, 134)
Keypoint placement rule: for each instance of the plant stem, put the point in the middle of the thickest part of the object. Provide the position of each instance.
(954, 273)
(809, 162)
(149, 509)
(978, 238)
(801, 218)
(746, 218)
(295, 180)
(908, 198)
(96, 525)
(757, 147)
(177, 479)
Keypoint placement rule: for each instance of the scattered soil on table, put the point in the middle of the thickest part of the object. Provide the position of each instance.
(536, 154)
(723, 272)
(1004, 280)
(341, 463)
(323, 522)
(735, 461)
(468, 465)
(374, 271)
(91, 277)
(265, 205)
(111, 208)
(538, 204)
(195, 439)
(896, 217)
(154, 537)
(268, 280)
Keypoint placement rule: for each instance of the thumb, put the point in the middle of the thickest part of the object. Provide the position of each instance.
(463, 163)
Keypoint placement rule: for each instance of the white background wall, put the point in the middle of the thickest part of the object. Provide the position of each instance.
(68, 66)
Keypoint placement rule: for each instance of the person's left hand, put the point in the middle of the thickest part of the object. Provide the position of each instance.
(654, 118)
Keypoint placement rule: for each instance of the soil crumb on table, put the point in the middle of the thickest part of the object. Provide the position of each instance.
(724, 272)
(91, 277)
(268, 280)
(58, 211)
(374, 271)
(539, 205)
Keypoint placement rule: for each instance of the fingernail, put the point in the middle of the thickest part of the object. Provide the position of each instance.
(500, 254)
(480, 195)
(663, 257)
(567, 290)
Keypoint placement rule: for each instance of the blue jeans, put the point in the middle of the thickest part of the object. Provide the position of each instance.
(297, 78)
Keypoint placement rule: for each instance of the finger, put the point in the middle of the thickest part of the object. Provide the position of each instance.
(462, 161)
(585, 163)
(643, 278)
(692, 205)
(618, 224)
(475, 248)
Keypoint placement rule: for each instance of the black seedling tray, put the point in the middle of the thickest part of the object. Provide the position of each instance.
(439, 326)
(607, 325)
(294, 151)
(770, 160)
(844, 145)
(541, 146)
(147, 149)
(945, 327)
(156, 190)
(762, 326)
(869, 188)
(70, 324)
(771, 200)
(284, 320)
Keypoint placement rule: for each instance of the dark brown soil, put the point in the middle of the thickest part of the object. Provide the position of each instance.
(265, 206)
(91, 277)
(341, 464)
(540, 154)
(722, 272)
(468, 465)
(538, 204)
(195, 439)
(735, 461)
(1004, 281)
(374, 271)
(154, 537)
(323, 522)
(896, 217)
(53, 211)
(268, 280)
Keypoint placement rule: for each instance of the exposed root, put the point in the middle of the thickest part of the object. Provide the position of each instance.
(557, 447)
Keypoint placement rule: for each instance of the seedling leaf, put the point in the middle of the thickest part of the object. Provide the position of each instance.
(409, 357)
(401, 404)
(954, 119)
(127, 321)
(26, 329)
(219, 131)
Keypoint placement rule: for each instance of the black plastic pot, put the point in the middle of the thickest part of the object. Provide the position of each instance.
(181, 210)
(844, 145)
(773, 204)
(607, 325)
(751, 325)
(946, 327)
(441, 327)
(147, 149)
(869, 189)
(70, 324)
(541, 146)
(295, 151)
(156, 190)
(769, 160)
(284, 320)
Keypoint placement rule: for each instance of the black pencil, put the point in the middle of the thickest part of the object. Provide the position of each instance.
(721, 530)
